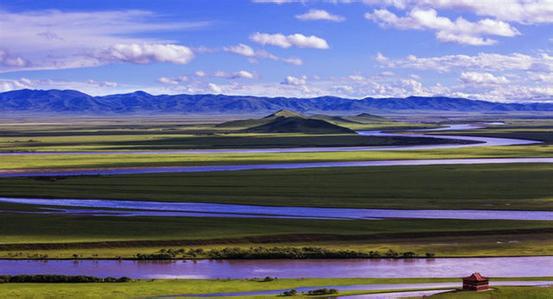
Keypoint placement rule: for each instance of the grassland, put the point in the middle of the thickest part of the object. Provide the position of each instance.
(189, 141)
(498, 186)
(520, 186)
(53, 161)
(138, 136)
(54, 236)
(176, 287)
(502, 292)
(122, 135)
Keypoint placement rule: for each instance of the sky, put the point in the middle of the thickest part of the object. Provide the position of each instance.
(496, 50)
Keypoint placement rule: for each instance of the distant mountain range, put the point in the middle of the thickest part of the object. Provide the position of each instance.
(75, 102)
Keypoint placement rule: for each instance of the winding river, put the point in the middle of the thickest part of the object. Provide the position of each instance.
(240, 269)
(475, 142)
(132, 208)
(384, 268)
(129, 208)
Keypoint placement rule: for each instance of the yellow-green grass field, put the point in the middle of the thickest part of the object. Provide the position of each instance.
(53, 161)
(142, 136)
(202, 141)
(153, 288)
(501, 293)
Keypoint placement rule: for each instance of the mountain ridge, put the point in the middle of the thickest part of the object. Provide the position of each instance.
(76, 102)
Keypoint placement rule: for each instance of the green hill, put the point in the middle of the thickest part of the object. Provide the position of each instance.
(287, 121)
(299, 125)
(365, 118)
(284, 113)
(337, 120)
(248, 123)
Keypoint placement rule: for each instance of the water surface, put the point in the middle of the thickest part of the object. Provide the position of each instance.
(242, 167)
(105, 207)
(322, 268)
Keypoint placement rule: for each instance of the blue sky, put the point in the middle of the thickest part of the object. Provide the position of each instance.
(355, 49)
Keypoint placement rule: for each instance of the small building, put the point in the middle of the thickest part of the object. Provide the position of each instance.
(476, 282)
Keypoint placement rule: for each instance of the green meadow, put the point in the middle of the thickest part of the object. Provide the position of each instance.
(503, 293)
(15, 162)
(63, 236)
(496, 186)
(127, 136)
(179, 287)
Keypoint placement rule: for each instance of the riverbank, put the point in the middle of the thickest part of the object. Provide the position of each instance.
(470, 187)
(83, 236)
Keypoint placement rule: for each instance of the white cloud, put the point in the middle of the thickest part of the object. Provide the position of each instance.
(109, 84)
(93, 87)
(458, 31)
(296, 81)
(236, 75)
(11, 61)
(287, 41)
(292, 60)
(7, 85)
(215, 88)
(200, 74)
(481, 61)
(241, 49)
(247, 51)
(319, 15)
(487, 76)
(356, 77)
(381, 58)
(482, 78)
(147, 53)
(541, 77)
(53, 39)
(520, 88)
(167, 80)
(520, 11)
(242, 74)
(300, 86)
(174, 80)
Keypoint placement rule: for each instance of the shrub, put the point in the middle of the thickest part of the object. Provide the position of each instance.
(273, 253)
(291, 292)
(59, 279)
(284, 252)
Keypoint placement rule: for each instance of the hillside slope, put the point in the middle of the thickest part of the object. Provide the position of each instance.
(299, 125)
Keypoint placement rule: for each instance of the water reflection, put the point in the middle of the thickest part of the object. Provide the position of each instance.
(239, 269)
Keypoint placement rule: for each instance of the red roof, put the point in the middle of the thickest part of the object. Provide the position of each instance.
(476, 277)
